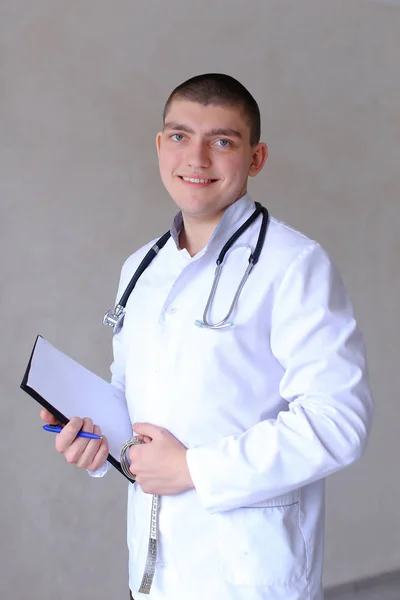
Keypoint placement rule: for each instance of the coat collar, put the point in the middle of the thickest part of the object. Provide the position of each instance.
(231, 220)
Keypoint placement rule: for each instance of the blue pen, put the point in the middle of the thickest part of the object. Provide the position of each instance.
(84, 434)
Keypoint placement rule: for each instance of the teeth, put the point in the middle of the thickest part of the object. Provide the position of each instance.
(191, 180)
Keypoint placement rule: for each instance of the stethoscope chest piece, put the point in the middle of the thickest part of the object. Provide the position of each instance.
(115, 318)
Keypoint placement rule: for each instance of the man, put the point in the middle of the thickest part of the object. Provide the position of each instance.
(241, 424)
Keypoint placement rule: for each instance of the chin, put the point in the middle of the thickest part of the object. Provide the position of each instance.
(195, 208)
(191, 202)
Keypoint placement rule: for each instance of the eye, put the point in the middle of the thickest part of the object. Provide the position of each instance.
(223, 143)
(177, 137)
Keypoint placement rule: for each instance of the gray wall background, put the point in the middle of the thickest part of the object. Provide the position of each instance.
(82, 85)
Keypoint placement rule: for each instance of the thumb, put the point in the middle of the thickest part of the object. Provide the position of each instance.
(47, 417)
(146, 429)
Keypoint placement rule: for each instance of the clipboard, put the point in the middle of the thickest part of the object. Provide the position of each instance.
(66, 389)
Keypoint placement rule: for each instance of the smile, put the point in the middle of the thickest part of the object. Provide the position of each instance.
(197, 180)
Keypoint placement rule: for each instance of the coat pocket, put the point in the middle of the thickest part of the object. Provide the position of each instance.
(262, 544)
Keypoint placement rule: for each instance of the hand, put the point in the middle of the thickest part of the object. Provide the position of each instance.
(159, 464)
(85, 453)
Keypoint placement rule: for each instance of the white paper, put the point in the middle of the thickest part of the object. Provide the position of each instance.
(77, 392)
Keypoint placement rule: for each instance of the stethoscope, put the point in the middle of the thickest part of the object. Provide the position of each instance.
(114, 318)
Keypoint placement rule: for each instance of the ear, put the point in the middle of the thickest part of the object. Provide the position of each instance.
(158, 142)
(259, 158)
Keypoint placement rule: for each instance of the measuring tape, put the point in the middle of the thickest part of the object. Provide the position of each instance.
(151, 559)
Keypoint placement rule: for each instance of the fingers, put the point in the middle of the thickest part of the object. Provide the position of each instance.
(81, 451)
(85, 453)
(95, 453)
(67, 437)
(101, 456)
(47, 417)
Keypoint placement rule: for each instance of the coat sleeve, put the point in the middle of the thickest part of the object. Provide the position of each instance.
(315, 338)
(117, 369)
(119, 353)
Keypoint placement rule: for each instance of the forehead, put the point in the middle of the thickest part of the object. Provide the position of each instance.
(202, 118)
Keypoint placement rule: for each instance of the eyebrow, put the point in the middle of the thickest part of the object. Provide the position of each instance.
(228, 132)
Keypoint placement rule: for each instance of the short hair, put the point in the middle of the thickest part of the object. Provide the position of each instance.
(219, 90)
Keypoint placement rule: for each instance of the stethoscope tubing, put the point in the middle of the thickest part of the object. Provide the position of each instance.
(112, 318)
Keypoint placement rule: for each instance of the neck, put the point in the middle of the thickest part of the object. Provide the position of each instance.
(196, 233)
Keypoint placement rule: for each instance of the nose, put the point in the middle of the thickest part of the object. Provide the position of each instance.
(198, 156)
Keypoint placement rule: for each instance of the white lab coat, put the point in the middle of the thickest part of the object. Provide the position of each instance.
(267, 409)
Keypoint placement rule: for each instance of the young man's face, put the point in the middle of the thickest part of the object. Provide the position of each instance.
(205, 157)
